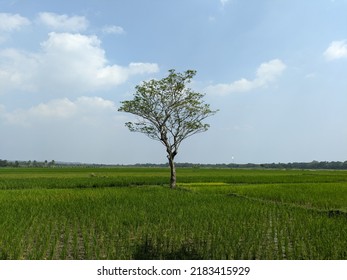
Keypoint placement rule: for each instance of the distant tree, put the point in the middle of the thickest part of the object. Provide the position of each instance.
(168, 112)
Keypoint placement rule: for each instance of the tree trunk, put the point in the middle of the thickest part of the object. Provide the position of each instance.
(173, 172)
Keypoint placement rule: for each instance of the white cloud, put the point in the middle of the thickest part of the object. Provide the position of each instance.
(95, 102)
(269, 71)
(68, 64)
(136, 68)
(266, 73)
(11, 22)
(63, 22)
(82, 109)
(336, 50)
(59, 108)
(113, 29)
(17, 70)
(53, 110)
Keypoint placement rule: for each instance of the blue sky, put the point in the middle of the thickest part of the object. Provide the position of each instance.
(274, 69)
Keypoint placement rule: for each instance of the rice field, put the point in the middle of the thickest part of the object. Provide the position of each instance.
(130, 213)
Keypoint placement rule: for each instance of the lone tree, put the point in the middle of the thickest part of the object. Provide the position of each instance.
(168, 112)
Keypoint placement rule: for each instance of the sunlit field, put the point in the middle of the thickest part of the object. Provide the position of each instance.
(130, 213)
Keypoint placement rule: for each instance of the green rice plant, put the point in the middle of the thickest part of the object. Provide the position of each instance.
(207, 217)
(23, 178)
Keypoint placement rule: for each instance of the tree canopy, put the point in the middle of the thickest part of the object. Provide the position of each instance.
(168, 112)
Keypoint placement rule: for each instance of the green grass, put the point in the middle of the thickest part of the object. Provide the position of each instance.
(12, 178)
(318, 196)
(130, 213)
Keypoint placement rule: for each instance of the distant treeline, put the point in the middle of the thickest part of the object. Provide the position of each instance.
(29, 163)
(291, 165)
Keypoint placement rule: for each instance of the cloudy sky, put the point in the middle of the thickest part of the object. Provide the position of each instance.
(276, 70)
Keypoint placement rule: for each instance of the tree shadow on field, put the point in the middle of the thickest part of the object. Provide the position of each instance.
(336, 213)
(147, 251)
(3, 255)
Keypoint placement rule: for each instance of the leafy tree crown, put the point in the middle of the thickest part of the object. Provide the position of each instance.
(167, 110)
